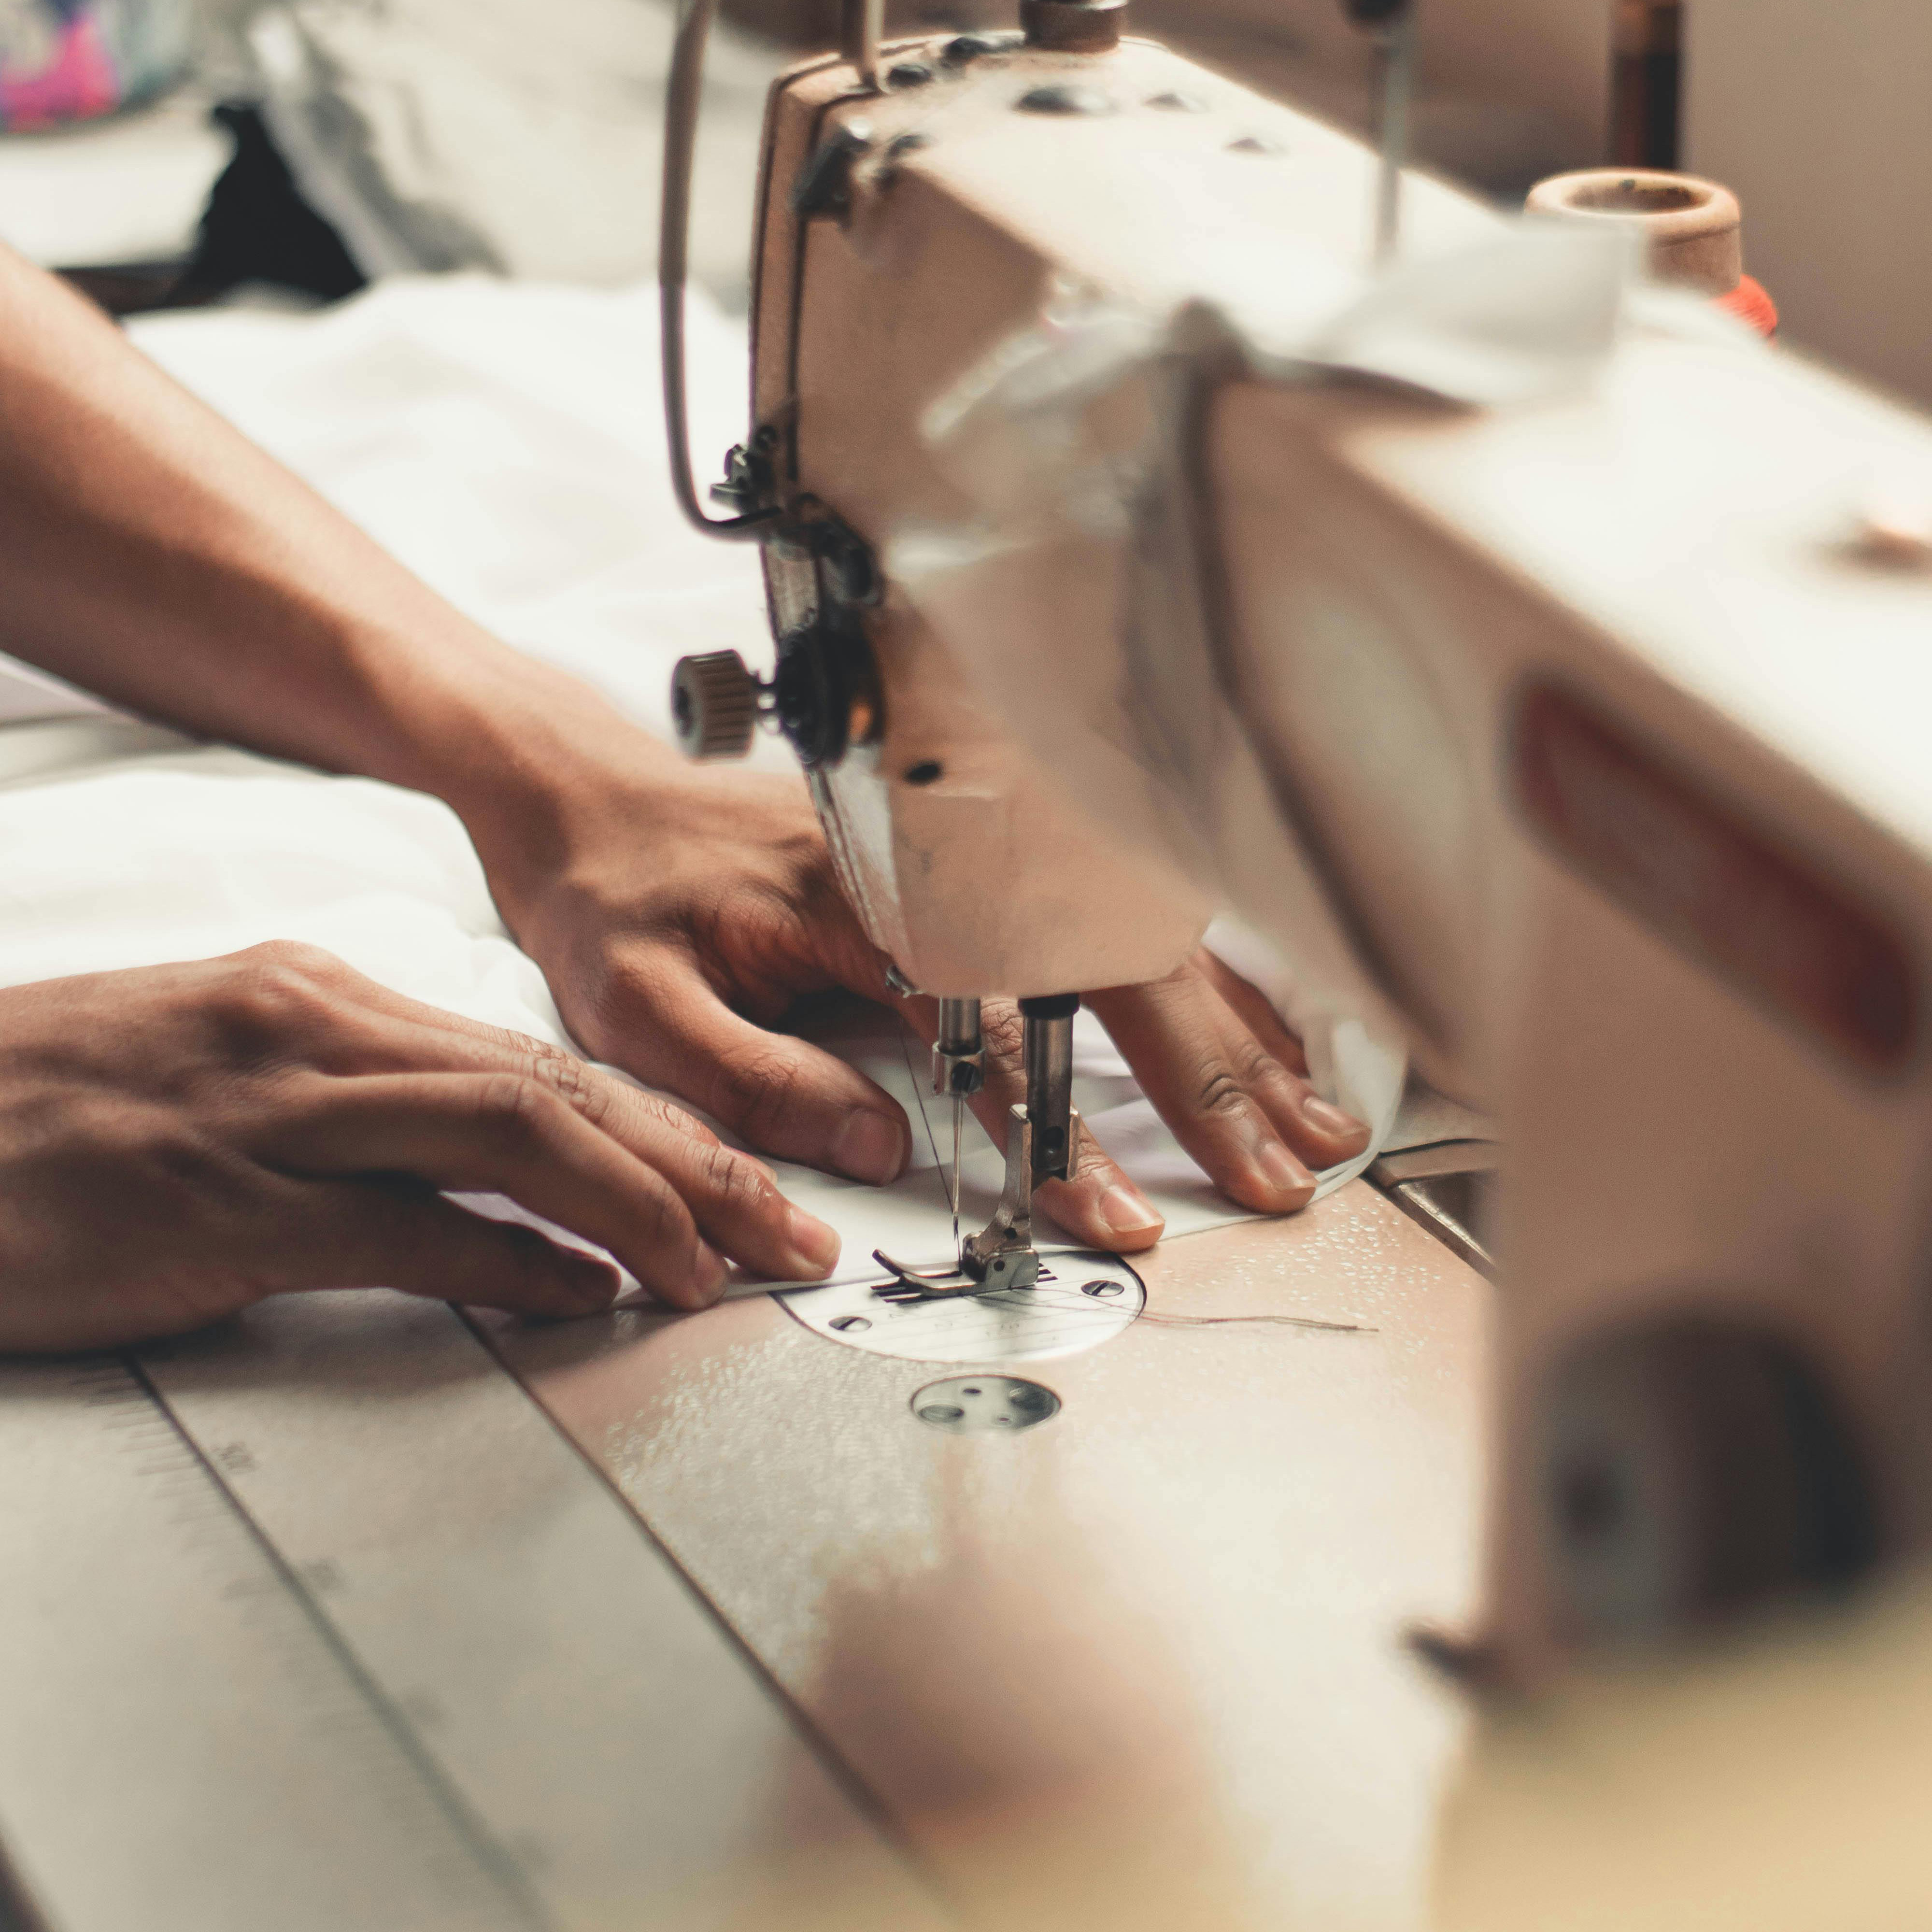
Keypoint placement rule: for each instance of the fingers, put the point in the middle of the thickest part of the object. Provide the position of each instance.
(397, 1236)
(1254, 1010)
(734, 1201)
(1098, 1203)
(1259, 1130)
(782, 1095)
(509, 1134)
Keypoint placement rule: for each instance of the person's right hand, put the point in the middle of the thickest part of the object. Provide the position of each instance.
(178, 1142)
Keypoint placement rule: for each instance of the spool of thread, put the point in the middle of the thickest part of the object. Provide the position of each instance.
(1694, 230)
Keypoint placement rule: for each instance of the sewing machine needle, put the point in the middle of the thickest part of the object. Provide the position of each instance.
(958, 1115)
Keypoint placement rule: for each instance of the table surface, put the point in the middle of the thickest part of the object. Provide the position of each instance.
(1151, 1653)
(316, 1620)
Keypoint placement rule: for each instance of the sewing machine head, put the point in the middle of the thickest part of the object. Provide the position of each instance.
(1537, 696)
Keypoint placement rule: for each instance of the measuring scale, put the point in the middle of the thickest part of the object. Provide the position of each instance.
(317, 1622)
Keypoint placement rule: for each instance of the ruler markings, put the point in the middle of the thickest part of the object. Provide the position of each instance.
(470, 1828)
(138, 1707)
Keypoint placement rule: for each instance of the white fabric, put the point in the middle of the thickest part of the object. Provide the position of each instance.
(522, 136)
(504, 441)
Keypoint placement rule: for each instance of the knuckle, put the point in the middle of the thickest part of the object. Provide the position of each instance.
(1255, 1066)
(510, 1110)
(666, 1228)
(1003, 1033)
(1219, 1093)
(758, 1089)
(668, 1116)
(317, 962)
(629, 989)
(739, 1186)
(573, 1082)
(272, 994)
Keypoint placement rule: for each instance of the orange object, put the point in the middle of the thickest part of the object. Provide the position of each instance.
(1694, 230)
(1751, 301)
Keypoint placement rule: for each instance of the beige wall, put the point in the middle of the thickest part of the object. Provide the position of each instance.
(1818, 112)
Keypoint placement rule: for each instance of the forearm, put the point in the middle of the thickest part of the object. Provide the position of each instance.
(150, 554)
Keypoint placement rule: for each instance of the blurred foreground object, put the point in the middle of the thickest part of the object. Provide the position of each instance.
(1780, 1784)
(75, 60)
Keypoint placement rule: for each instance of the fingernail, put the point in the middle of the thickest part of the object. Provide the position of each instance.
(812, 1242)
(709, 1272)
(1331, 1120)
(591, 1284)
(1282, 1174)
(1124, 1211)
(869, 1147)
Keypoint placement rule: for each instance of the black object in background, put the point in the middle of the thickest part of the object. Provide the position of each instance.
(257, 228)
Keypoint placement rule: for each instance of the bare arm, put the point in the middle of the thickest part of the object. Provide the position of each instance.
(152, 555)
(147, 552)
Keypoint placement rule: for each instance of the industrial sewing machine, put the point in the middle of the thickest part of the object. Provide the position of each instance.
(1561, 736)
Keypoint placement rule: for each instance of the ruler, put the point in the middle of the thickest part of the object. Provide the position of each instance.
(318, 1624)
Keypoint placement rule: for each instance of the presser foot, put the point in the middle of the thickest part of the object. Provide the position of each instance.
(912, 1284)
(1007, 1267)
(1000, 1257)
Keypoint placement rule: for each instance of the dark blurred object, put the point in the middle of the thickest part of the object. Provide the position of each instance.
(125, 288)
(257, 230)
(1645, 108)
(814, 23)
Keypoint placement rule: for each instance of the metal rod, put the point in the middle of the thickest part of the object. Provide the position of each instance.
(959, 1129)
(1048, 1051)
(1395, 61)
(684, 101)
(864, 28)
(958, 1038)
(957, 1069)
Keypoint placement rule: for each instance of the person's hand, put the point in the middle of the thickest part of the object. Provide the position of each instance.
(679, 913)
(178, 1142)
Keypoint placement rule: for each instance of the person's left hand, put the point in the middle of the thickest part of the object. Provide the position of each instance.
(682, 912)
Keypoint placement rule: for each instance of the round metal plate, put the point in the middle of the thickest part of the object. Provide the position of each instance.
(1081, 1301)
(984, 1405)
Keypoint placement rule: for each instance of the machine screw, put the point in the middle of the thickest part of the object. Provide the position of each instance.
(1064, 98)
(909, 73)
(1174, 102)
(1255, 144)
(824, 184)
(964, 48)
